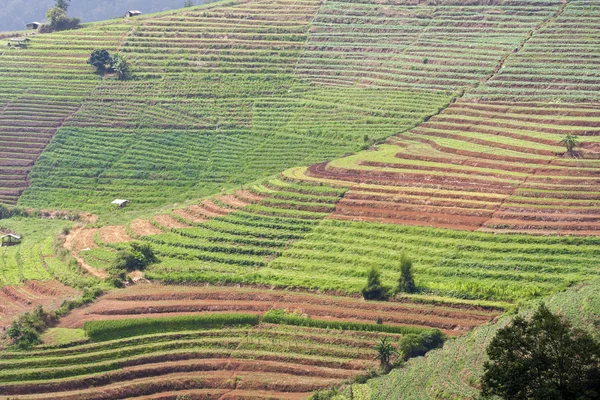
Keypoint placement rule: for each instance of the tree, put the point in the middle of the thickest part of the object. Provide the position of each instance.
(543, 358)
(25, 331)
(570, 142)
(374, 290)
(406, 282)
(120, 66)
(56, 17)
(58, 21)
(99, 59)
(62, 4)
(385, 352)
(188, 3)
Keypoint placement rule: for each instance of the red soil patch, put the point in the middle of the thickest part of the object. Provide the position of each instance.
(143, 227)
(15, 300)
(233, 201)
(114, 234)
(169, 222)
(80, 239)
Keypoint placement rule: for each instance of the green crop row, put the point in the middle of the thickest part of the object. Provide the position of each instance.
(116, 329)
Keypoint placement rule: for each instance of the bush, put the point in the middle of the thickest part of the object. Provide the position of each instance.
(117, 329)
(138, 257)
(406, 282)
(374, 290)
(413, 345)
(25, 331)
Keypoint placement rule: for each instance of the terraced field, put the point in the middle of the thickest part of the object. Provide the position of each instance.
(42, 87)
(558, 64)
(146, 300)
(434, 45)
(289, 234)
(493, 167)
(430, 129)
(263, 361)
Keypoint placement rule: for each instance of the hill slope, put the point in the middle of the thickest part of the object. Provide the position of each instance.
(305, 142)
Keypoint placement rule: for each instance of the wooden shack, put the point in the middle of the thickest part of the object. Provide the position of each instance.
(34, 25)
(120, 203)
(9, 240)
(133, 13)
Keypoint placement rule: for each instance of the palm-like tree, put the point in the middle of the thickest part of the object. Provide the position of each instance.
(570, 142)
(385, 352)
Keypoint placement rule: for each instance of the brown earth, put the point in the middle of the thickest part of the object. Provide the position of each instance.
(15, 300)
(161, 300)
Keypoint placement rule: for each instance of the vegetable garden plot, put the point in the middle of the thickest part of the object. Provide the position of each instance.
(406, 45)
(158, 300)
(494, 167)
(558, 62)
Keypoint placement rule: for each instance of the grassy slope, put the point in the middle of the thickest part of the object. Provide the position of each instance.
(34, 258)
(452, 372)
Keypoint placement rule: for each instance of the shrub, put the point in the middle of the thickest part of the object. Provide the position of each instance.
(385, 353)
(25, 331)
(406, 282)
(374, 290)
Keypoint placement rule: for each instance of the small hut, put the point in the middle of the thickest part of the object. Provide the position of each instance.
(9, 240)
(133, 13)
(120, 203)
(34, 25)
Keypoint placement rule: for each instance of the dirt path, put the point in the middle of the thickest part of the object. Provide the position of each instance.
(79, 239)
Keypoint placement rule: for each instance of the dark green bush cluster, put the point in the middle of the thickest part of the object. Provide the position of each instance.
(414, 345)
(374, 290)
(117, 329)
(25, 331)
(138, 257)
(8, 212)
(283, 318)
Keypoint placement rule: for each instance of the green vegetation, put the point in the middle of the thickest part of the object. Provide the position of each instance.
(462, 359)
(406, 282)
(544, 357)
(281, 317)
(26, 329)
(58, 337)
(104, 62)
(570, 142)
(117, 329)
(35, 258)
(373, 289)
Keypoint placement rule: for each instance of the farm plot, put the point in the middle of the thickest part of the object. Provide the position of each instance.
(34, 258)
(558, 64)
(454, 371)
(231, 238)
(15, 300)
(252, 359)
(251, 130)
(30, 272)
(278, 233)
(337, 255)
(42, 87)
(433, 45)
(494, 167)
(143, 301)
(267, 361)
